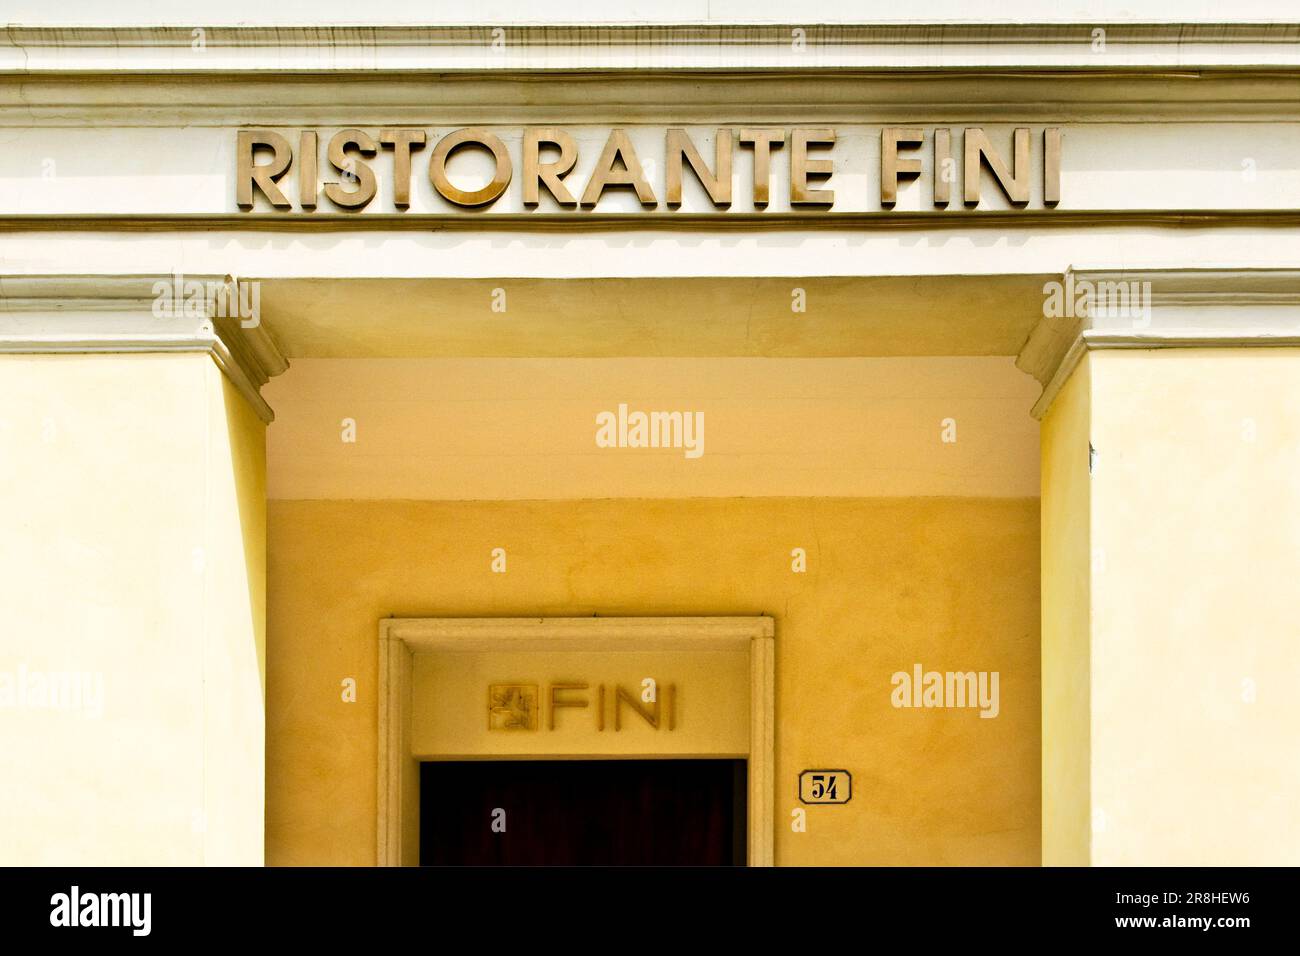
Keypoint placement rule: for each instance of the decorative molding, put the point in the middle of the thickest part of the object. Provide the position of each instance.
(120, 313)
(397, 820)
(955, 218)
(315, 75)
(1016, 94)
(1160, 309)
(469, 47)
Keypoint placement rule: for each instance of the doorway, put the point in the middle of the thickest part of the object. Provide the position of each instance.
(434, 705)
(583, 813)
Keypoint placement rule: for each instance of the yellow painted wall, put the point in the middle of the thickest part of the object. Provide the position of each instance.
(950, 583)
(1066, 642)
(234, 665)
(1195, 520)
(132, 551)
(850, 315)
(485, 429)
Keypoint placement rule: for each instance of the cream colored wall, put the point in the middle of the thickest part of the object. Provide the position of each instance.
(136, 556)
(1098, 171)
(1066, 637)
(968, 248)
(1195, 519)
(950, 583)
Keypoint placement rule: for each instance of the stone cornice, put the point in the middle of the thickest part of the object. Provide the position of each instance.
(1175, 308)
(652, 221)
(273, 95)
(130, 313)
(469, 47)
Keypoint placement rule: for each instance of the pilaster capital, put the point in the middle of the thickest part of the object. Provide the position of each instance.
(220, 315)
(1155, 309)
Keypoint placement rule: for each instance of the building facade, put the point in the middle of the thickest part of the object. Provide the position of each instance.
(882, 438)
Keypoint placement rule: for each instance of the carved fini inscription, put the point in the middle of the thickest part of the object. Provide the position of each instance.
(519, 706)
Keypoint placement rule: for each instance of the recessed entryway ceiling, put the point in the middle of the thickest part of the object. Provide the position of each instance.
(616, 317)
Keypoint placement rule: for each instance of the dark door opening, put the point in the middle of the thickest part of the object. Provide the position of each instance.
(583, 813)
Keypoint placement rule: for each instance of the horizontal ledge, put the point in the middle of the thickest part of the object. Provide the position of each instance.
(1199, 286)
(930, 32)
(17, 344)
(576, 633)
(1162, 67)
(739, 71)
(853, 87)
(1014, 94)
(66, 291)
(658, 33)
(1244, 338)
(596, 221)
(594, 755)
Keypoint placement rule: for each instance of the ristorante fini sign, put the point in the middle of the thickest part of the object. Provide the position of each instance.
(285, 170)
